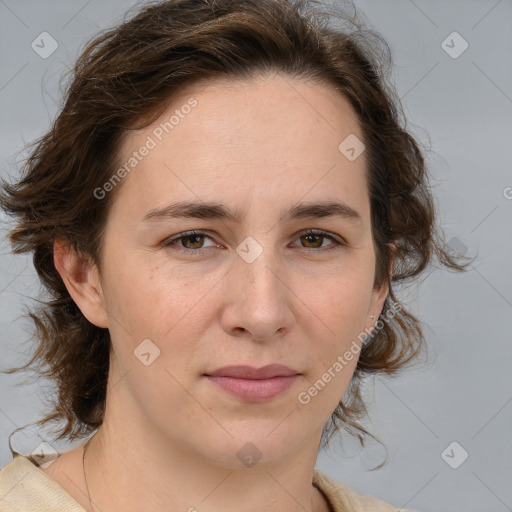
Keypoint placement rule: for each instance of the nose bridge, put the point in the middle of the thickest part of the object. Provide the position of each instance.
(261, 296)
(258, 261)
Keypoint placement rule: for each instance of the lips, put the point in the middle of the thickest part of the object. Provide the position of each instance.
(254, 384)
(248, 372)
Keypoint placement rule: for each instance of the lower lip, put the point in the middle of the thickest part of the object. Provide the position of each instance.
(254, 390)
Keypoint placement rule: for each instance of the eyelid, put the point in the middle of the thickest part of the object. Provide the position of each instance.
(337, 241)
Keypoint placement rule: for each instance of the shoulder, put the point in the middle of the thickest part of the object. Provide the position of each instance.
(24, 487)
(344, 499)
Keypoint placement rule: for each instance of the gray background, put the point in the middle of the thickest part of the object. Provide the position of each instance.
(463, 106)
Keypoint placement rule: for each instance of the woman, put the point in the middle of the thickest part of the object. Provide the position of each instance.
(220, 213)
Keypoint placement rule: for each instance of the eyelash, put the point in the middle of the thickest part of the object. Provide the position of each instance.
(171, 241)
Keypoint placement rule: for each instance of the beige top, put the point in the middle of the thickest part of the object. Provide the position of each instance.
(24, 487)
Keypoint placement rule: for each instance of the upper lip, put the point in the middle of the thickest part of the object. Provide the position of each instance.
(249, 372)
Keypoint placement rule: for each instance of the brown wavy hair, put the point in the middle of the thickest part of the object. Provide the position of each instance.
(126, 77)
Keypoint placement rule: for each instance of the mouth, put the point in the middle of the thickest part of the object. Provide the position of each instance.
(254, 390)
(254, 384)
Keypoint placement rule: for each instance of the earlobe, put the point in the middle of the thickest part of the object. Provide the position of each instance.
(81, 279)
(382, 296)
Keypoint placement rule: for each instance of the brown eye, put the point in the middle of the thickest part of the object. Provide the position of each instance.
(314, 240)
(195, 241)
(192, 241)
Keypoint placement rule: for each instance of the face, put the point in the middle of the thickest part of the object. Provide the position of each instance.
(255, 289)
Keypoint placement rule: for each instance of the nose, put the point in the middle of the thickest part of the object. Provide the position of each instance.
(258, 299)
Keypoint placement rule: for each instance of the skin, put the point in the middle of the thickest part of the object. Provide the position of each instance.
(170, 438)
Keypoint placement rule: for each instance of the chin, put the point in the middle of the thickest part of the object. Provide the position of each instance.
(260, 441)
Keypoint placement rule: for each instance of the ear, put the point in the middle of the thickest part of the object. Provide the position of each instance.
(380, 295)
(82, 281)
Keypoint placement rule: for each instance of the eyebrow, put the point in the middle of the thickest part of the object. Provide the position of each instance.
(212, 211)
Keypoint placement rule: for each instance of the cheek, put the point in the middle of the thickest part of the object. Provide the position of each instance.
(341, 307)
(327, 384)
(138, 291)
(160, 303)
(344, 296)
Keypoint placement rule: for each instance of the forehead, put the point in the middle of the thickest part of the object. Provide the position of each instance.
(276, 138)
